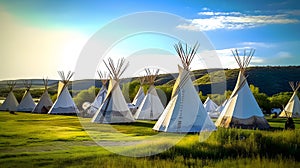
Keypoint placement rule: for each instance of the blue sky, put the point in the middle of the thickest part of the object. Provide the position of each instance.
(40, 37)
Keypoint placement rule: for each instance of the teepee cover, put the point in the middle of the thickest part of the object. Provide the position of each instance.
(100, 96)
(140, 95)
(241, 109)
(45, 102)
(64, 103)
(209, 105)
(27, 104)
(185, 111)
(151, 107)
(10, 103)
(114, 109)
(292, 109)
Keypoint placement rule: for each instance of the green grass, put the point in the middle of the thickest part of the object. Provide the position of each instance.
(32, 140)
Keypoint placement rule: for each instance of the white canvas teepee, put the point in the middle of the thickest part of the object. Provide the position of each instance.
(100, 96)
(242, 110)
(185, 111)
(45, 102)
(27, 104)
(10, 103)
(151, 107)
(292, 109)
(210, 105)
(114, 109)
(64, 103)
(140, 95)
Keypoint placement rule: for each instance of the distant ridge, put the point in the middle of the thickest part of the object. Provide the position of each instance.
(269, 79)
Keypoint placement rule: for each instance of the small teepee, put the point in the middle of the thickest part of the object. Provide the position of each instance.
(210, 105)
(64, 103)
(151, 107)
(140, 94)
(45, 102)
(241, 109)
(27, 104)
(185, 111)
(292, 109)
(10, 103)
(100, 96)
(114, 109)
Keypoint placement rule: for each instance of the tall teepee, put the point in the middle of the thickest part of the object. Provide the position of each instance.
(140, 95)
(64, 103)
(185, 111)
(151, 107)
(292, 109)
(114, 109)
(27, 104)
(45, 102)
(10, 103)
(241, 109)
(100, 96)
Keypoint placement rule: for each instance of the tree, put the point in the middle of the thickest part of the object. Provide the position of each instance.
(261, 98)
(85, 96)
(280, 99)
(202, 97)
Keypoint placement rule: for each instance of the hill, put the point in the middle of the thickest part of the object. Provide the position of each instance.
(269, 79)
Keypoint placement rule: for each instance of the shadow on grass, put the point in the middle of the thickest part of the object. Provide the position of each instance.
(136, 124)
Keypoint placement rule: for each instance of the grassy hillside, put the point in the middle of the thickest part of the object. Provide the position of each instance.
(32, 140)
(270, 80)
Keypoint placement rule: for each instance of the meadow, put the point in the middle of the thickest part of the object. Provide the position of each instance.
(33, 140)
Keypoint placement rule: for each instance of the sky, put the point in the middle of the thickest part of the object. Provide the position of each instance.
(40, 37)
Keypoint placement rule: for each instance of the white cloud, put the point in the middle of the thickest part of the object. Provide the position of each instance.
(257, 44)
(221, 58)
(205, 9)
(283, 54)
(218, 13)
(210, 20)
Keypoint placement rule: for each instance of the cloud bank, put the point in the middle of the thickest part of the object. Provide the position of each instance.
(210, 20)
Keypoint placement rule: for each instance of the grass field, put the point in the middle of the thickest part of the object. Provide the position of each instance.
(33, 140)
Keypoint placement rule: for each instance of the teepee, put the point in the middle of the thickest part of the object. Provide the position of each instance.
(292, 109)
(100, 96)
(114, 109)
(140, 95)
(45, 102)
(210, 105)
(27, 104)
(10, 103)
(185, 111)
(241, 109)
(64, 103)
(151, 107)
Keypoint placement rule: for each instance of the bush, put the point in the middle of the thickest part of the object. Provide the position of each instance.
(85, 96)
